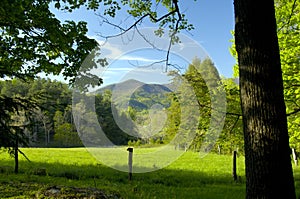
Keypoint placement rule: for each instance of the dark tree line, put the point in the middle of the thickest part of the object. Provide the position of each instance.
(50, 122)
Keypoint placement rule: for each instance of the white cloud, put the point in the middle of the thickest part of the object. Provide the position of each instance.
(137, 58)
(108, 50)
(114, 51)
(118, 69)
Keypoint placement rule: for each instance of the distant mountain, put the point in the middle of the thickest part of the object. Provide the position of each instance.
(122, 87)
(137, 94)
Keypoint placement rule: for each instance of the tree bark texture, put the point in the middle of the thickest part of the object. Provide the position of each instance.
(267, 153)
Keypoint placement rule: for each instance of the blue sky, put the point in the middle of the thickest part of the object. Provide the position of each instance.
(212, 19)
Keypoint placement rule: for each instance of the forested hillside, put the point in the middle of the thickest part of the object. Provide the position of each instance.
(52, 122)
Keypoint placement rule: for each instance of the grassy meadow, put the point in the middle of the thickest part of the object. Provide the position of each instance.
(188, 177)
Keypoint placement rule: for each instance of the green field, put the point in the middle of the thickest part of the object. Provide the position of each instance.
(72, 169)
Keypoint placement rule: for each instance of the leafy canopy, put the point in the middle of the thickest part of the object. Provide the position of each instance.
(33, 40)
(288, 29)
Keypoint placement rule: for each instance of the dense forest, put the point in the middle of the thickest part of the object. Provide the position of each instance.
(52, 124)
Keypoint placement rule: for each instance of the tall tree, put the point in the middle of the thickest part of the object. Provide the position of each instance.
(268, 164)
(34, 41)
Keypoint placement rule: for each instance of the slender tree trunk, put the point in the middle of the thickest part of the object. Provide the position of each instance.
(234, 175)
(268, 164)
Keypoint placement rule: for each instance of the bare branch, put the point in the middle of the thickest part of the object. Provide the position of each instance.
(161, 18)
(148, 65)
(168, 53)
(235, 123)
(175, 66)
(24, 155)
(227, 113)
(124, 30)
(175, 2)
(156, 20)
(147, 40)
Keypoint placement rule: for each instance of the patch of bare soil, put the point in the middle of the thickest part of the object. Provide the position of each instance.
(73, 192)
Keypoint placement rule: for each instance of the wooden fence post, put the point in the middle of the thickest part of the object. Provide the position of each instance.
(130, 150)
(295, 156)
(234, 175)
(16, 152)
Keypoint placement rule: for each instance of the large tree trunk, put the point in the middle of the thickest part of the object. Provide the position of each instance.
(268, 164)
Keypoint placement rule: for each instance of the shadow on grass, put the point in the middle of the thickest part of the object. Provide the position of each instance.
(164, 183)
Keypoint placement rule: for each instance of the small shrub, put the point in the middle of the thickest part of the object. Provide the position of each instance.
(40, 172)
(138, 143)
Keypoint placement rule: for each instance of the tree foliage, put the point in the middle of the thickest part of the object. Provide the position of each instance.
(288, 30)
(34, 41)
(15, 117)
(288, 20)
(231, 137)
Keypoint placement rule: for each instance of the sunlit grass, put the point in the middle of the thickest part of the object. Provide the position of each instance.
(188, 177)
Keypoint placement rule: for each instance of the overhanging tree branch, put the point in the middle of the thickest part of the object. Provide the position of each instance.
(174, 29)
